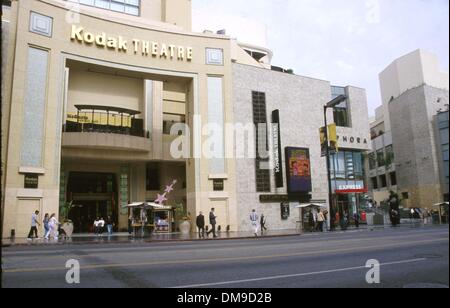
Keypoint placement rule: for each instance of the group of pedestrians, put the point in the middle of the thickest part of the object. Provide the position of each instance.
(51, 226)
(256, 222)
(317, 220)
(100, 223)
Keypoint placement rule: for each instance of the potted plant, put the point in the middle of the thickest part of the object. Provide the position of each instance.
(67, 223)
(184, 220)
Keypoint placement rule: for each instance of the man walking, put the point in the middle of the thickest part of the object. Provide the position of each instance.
(254, 221)
(213, 222)
(320, 220)
(263, 223)
(201, 225)
(33, 229)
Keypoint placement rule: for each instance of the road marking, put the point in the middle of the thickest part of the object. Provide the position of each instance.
(214, 260)
(292, 275)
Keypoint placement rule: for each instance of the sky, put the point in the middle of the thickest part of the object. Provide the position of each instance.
(348, 42)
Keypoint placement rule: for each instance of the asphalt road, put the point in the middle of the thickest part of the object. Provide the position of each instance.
(408, 257)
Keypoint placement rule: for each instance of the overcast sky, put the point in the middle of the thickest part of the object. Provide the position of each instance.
(348, 42)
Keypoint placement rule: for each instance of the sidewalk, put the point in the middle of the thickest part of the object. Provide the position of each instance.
(124, 238)
(119, 238)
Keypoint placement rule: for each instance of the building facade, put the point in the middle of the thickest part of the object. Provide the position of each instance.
(405, 156)
(89, 97)
(442, 136)
(106, 103)
(258, 94)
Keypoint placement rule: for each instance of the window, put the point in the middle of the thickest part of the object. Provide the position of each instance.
(393, 177)
(358, 165)
(380, 158)
(405, 195)
(372, 161)
(383, 181)
(389, 155)
(341, 113)
(260, 117)
(374, 182)
(170, 120)
(153, 183)
(130, 7)
(347, 166)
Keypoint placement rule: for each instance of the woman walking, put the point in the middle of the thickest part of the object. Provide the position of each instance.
(53, 224)
(46, 226)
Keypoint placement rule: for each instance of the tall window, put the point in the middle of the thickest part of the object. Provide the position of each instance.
(372, 161)
(341, 112)
(389, 155)
(383, 181)
(380, 158)
(260, 117)
(374, 182)
(347, 166)
(393, 177)
(123, 6)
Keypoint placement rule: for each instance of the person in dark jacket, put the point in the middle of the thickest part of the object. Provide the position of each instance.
(262, 223)
(201, 225)
(213, 222)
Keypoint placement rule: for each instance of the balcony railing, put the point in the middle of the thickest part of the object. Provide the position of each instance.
(114, 121)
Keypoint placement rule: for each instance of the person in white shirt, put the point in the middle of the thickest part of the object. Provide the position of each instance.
(53, 227)
(34, 224)
(101, 225)
(96, 224)
(320, 220)
(254, 220)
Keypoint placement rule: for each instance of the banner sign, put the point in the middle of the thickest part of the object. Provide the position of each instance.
(276, 137)
(298, 166)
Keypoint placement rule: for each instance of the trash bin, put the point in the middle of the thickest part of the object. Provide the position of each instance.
(370, 218)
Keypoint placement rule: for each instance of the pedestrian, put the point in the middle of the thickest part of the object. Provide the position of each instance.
(311, 221)
(201, 225)
(344, 221)
(254, 221)
(262, 222)
(53, 225)
(109, 225)
(101, 226)
(34, 224)
(356, 218)
(325, 221)
(130, 223)
(320, 220)
(213, 222)
(96, 226)
(46, 226)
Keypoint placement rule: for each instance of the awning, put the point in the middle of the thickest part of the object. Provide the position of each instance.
(301, 206)
(148, 205)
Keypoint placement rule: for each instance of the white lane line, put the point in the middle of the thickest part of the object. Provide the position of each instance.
(292, 275)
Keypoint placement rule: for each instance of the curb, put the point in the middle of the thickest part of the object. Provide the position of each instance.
(146, 241)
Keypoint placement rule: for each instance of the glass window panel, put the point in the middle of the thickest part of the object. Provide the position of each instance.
(118, 7)
(380, 158)
(104, 4)
(131, 10)
(86, 2)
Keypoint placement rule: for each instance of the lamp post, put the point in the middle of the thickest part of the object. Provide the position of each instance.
(333, 103)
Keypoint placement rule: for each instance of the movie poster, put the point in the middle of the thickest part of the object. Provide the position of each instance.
(298, 166)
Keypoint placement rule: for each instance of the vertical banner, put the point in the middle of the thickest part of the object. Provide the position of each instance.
(276, 137)
(298, 170)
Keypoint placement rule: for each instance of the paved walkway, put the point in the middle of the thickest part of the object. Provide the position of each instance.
(118, 238)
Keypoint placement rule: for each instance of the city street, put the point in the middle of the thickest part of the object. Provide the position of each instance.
(409, 257)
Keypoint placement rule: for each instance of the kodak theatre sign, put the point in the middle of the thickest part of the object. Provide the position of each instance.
(155, 49)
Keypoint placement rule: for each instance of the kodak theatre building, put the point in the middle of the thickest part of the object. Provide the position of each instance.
(104, 104)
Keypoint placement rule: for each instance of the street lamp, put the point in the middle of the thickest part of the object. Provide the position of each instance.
(333, 103)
